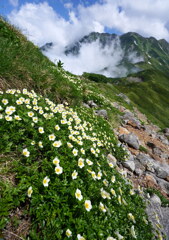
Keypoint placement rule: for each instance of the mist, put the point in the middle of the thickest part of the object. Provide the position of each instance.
(94, 58)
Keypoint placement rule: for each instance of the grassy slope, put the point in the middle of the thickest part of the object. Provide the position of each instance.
(23, 66)
(150, 96)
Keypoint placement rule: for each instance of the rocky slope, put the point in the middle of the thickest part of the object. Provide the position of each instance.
(147, 165)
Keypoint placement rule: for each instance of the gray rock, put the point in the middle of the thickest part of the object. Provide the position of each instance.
(86, 105)
(124, 97)
(138, 171)
(161, 172)
(129, 165)
(158, 216)
(162, 138)
(129, 116)
(130, 139)
(163, 184)
(144, 159)
(111, 159)
(166, 132)
(154, 198)
(102, 112)
(92, 104)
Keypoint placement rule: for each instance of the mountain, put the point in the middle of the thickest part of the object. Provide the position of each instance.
(136, 52)
(77, 158)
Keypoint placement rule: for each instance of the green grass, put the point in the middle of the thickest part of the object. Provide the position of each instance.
(27, 122)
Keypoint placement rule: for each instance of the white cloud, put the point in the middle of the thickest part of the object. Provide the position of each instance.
(14, 3)
(42, 24)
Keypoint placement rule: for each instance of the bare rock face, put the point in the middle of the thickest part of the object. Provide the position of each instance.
(130, 139)
(159, 216)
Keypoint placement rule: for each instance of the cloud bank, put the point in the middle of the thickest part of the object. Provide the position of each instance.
(42, 24)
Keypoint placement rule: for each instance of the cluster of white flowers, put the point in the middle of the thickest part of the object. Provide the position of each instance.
(79, 133)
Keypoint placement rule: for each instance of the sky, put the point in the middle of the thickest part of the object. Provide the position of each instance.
(65, 21)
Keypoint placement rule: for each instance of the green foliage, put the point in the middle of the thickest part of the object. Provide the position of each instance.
(143, 149)
(51, 143)
(60, 64)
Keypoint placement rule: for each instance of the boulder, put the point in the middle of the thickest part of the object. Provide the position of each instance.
(166, 132)
(130, 165)
(150, 180)
(102, 112)
(111, 159)
(163, 184)
(86, 105)
(130, 139)
(92, 104)
(123, 130)
(129, 118)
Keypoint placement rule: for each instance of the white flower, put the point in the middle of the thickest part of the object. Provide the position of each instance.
(68, 233)
(89, 162)
(8, 118)
(9, 110)
(93, 175)
(106, 183)
(74, 174)
(120, 237)
(69, 145)
(133, 232)
(57, 144)
(46, 181)
(58, 169)
(81, 162)
(35, 119)
(113, 179)
(25, 152)
(52, 137)
(56, 161)
(30, 191)
(119, 199)
(78, 194)
(40, 144)
(113, 192)
(111, 238)
(105, 194)
(79, 237)
(75, 152)
(99, 175)
(17, 117)
(5, 101)
(102, 207)
(30, 114)
(131, 217)
(132, 192)
(88, 205)
(57, 127)
(41, 130)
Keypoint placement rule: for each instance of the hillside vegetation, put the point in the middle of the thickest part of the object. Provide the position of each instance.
(55, 179)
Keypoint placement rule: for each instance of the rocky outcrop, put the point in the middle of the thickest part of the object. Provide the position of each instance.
(130, 139)
(159, 217)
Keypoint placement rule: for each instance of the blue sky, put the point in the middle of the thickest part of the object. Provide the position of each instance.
(6, 6)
